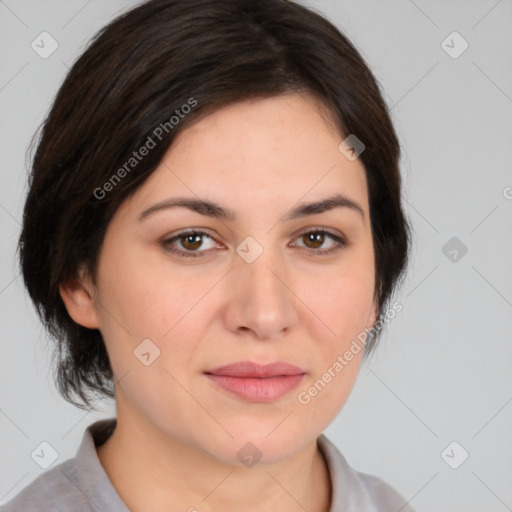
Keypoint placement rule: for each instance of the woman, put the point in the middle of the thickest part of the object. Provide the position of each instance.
(212, 234)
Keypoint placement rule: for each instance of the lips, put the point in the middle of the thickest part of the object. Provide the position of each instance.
(255, 370)
(256, 383)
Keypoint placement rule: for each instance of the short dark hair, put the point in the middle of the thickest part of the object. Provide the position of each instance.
(135, 75)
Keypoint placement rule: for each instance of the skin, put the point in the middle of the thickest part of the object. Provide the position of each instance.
(178, 434)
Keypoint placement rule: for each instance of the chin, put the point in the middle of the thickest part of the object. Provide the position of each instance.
(263, 444)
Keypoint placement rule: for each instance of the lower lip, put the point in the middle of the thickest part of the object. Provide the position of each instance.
(257, 389)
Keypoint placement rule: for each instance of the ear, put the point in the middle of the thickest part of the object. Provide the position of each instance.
(373, 315)
(78, 297)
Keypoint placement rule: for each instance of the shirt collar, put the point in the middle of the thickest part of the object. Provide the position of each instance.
(348, 492)
(91, 478)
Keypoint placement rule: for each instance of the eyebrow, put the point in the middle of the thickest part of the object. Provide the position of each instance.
(211, 209)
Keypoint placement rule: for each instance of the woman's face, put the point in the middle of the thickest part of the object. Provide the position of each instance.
(255, 286)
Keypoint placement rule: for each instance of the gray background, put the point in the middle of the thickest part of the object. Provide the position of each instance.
(442, 372)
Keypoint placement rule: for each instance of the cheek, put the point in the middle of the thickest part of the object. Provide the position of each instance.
(341, 305)
(342, 302)
(140, 302)
(342, 294)
(151, 301)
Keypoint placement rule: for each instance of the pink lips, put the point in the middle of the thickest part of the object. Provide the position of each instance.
(255, 382)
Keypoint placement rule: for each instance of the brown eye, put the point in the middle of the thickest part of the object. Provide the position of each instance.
(314, 240)
(191, 241)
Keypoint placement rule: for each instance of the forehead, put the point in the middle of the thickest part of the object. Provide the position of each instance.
(258, 153)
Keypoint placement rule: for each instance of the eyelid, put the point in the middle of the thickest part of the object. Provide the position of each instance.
(313, 229)
(166, 241)
(339, 238)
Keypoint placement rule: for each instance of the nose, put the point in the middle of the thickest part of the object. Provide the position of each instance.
(261, 301)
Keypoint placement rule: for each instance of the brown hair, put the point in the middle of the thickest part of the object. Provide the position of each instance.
(136, 74)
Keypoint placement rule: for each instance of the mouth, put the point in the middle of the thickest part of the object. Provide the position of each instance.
(257, 383)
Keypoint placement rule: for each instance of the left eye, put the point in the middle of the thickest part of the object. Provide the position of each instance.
(191, 241)
(315, 239)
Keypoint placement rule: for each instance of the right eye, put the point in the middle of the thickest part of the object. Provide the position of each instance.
(190, 241)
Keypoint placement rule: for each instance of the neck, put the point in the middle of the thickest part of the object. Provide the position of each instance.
(151, 470)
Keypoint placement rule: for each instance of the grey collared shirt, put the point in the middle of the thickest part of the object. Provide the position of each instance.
(81, 484)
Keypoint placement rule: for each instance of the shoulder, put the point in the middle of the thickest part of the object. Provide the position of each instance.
(385, 497)
(51, 491)
(356, 491)
(76, 485)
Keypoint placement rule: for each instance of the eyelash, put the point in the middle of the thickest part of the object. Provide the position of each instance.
(341, 242)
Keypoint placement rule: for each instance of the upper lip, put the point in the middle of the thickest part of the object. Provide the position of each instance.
(251, 369)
